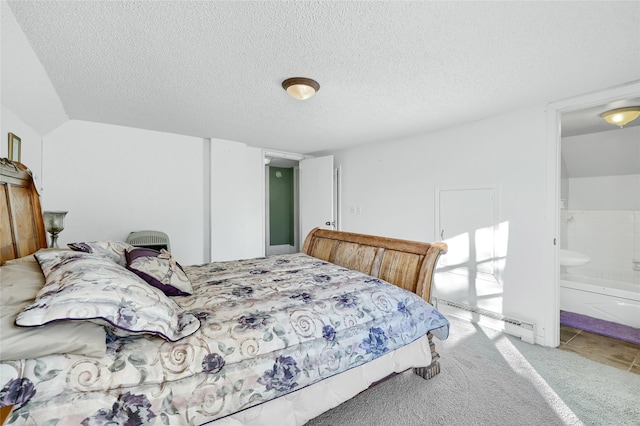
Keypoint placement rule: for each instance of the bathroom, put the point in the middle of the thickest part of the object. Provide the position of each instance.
(600, 223)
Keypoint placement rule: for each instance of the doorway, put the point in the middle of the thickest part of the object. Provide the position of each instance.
(282, 211)
(555, 113)
(310, 199)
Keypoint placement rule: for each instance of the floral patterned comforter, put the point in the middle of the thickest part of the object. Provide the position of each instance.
(269, 326)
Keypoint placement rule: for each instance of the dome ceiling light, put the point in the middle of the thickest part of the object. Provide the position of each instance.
(300, 88)
(621, 116)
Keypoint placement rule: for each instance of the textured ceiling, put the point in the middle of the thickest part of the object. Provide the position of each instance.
(386, 69)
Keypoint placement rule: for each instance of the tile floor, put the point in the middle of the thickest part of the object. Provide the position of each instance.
(613, 352)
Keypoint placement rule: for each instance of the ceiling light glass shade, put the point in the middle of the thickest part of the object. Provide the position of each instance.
(300, 88)
(621, 116)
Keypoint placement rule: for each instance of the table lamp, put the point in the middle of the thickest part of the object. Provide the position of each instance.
(54, 224)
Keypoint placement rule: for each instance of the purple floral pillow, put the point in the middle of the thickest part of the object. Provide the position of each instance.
(83, 286)
(159, 269)
(112, 250)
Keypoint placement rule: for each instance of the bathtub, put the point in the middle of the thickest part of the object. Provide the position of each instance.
(608, 300)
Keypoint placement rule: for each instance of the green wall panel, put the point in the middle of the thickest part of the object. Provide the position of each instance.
(281, 206)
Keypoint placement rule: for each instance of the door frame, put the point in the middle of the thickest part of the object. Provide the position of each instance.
(297, 244)
(295, 159)
(317, 165)
(552, 211)
(337, 194)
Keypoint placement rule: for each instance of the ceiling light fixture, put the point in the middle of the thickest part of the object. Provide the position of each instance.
(300, 88)
(621, 116)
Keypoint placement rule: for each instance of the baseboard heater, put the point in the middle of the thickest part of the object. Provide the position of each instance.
(524, 330)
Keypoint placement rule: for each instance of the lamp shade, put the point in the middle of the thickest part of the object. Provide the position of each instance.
(300, 88)
(621, 116)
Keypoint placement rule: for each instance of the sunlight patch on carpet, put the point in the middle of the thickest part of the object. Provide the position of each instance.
(521, 366)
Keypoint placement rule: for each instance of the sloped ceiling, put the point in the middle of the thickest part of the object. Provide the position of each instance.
(386, 69)
(611, 153)
(26, 88)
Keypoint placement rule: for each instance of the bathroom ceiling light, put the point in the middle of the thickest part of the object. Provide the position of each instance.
(621, 116)
(300, 88)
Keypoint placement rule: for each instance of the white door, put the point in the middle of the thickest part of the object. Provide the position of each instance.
(470, 271)
(316, 195)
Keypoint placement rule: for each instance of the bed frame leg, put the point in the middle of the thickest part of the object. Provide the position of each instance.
(433, 368)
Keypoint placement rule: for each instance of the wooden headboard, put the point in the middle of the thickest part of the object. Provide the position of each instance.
(21, 223)
(407, 264)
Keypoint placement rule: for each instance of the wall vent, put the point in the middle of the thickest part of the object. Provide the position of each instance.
(524, 330)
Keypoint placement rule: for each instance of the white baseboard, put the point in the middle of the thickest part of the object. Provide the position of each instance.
(525, 331)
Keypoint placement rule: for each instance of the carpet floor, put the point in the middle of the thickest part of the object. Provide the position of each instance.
(489, 378)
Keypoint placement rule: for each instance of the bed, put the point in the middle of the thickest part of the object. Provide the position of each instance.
(113, 334)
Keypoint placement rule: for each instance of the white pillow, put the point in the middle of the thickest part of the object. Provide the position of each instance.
(159, 269)
(112, 250)
(83, 286)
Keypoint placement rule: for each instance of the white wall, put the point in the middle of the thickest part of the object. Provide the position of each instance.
(603, 222)
(31, 141)
(394, 183)
(604, 193)
(31, 107)
(114, 180)
(611, 238)
(610, 153)
(27, 90)
(237, 201)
